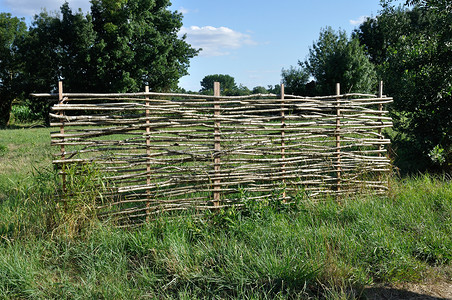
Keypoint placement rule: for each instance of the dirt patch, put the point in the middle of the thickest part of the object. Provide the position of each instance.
(435, 291)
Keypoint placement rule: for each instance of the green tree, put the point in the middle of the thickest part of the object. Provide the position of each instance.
(336, 58)
(227, 84)
(241, 90)
(274, 89)
(259, 90)
(413, 56)
(441, 6)
(295, 80)
(12, 30)
(58, 47)
(122, 45)
(137, 44)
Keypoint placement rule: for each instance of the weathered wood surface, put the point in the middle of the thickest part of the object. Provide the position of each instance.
(164, 152)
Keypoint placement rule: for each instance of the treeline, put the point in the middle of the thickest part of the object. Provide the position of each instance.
(122, 45)
(229, 87)
(118, 46)
(408, 47)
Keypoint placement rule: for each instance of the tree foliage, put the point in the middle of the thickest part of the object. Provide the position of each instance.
(259, 90)
(121, 45)
(441, 6)
(58, 48)
(295, 80)
(412, 51)
(336, 58)
(12, 30)
(136, 43)
(227, 84)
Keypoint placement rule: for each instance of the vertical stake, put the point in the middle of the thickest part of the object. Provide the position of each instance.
(283, 142)
(148, 154)
(63, 148)
(217, 138)
(380, 109)
(338, 138)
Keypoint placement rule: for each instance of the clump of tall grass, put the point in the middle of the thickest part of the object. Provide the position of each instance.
(28, 207)
(78, 199)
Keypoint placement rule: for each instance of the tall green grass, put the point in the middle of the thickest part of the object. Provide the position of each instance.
(22, 151)
(307, 250)
(265, 250)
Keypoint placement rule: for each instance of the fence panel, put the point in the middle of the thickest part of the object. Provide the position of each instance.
(167, 152)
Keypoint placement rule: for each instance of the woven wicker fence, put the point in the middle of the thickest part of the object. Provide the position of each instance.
(166, 152)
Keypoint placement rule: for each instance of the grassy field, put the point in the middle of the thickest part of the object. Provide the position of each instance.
(306, 251)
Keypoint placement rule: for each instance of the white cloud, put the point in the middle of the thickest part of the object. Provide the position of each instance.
(215, 41)
(185, 11)
(31, 7)
(359, 21)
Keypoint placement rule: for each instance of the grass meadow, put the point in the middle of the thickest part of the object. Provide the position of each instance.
(325, 250)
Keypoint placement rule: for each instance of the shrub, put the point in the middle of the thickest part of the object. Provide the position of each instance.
(23, 113)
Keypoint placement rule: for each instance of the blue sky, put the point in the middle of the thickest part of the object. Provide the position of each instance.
(250, 40)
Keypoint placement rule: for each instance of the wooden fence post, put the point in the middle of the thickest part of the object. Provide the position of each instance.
(338, 139)
(217, 147)
(148, 153)
(283, 142)
(63, 148)
(380, 109)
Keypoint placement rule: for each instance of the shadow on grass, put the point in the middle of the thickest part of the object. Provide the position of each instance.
(377, 293)
(22, 126)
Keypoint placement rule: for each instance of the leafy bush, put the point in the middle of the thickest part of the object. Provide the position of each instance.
(23, 113)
